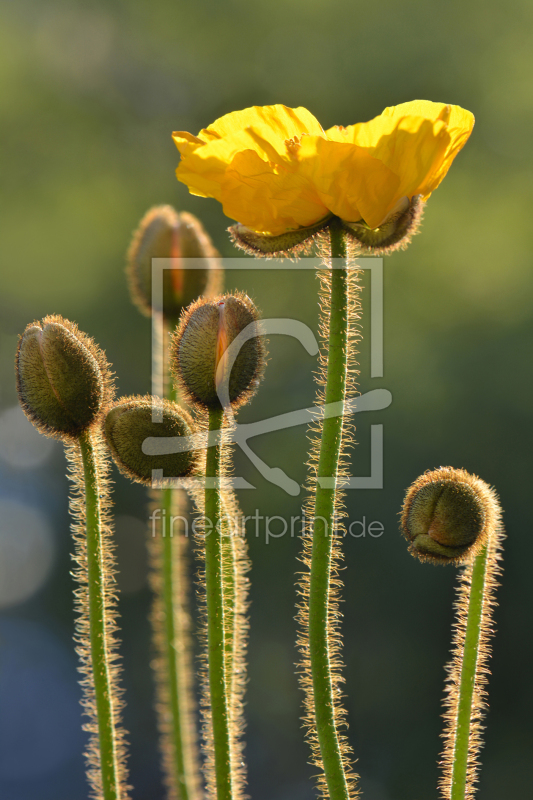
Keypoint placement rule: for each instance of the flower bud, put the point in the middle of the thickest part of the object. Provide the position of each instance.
(447, 515)
(163, 233)
(199, 356)
(130, 421)
(63, 379)
(395, 233)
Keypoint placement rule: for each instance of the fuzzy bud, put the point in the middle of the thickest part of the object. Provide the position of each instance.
(130, 421)
(395, 233)
(199, 352)
(63, 379)
(447, 515)
(163, 233)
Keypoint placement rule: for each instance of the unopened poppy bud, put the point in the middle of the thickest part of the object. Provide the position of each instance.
(447, 515)
(163, 233)
(63, 379)
(200, 360)
(395, 232)
(130, 421)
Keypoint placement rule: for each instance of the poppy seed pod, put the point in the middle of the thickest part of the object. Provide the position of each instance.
(63, 379)
(193, 271)
(446, 516)
(130, 421)
(199, 356)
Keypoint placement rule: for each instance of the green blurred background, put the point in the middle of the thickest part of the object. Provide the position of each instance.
(89, 95)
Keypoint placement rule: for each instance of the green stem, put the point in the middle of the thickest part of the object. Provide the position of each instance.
(468, 675)
(101, 667)
(323, 532)
(182, 762)
(230, 604)
(173, 640)
(215, 615)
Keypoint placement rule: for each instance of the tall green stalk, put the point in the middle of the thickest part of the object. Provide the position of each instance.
(180, 759)
(468, 674)
(229, 580)
(215, 614)
(99, 624)
(324, 532)
(185, 770)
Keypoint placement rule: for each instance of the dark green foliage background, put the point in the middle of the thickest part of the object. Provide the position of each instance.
(89, 95)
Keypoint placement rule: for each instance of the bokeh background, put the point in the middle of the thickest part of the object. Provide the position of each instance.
(89, 95)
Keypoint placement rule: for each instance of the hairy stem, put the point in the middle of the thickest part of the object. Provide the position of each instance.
(186, 771)
(180, 758)
(468, 674)
(324, 532)
(97, 609)
(170, 620)
(215, 614)
(235, 584)
(236, 566)
(468, 671)
(230, 603)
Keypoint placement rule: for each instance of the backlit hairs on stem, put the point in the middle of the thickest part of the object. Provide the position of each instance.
(320, 639)
(96, 637)
(168, 552)
(235, 567)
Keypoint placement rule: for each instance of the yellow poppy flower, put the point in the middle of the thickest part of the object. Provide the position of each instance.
(274, 169)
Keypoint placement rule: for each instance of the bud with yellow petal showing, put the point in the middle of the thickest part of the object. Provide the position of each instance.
(163, 233)
(447, 515)
(63, 378)
(130, 421)
(199, 356)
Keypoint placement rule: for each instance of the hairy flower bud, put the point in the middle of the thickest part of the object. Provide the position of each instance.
(63, 379)
(130, 421)
(163, 233)
(447, 514)
(201, 361)
(395, 233)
